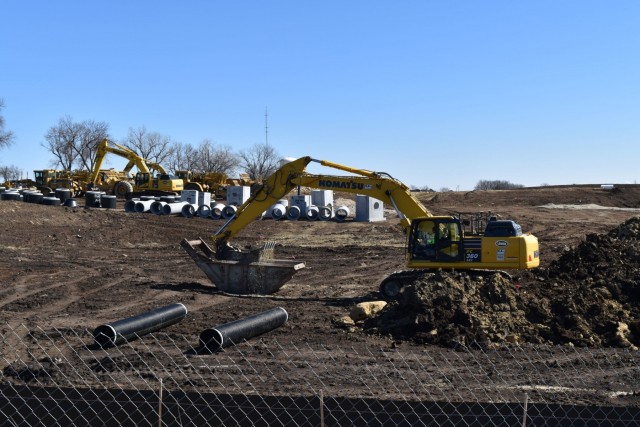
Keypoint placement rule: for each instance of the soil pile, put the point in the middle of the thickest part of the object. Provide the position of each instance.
(590, 296)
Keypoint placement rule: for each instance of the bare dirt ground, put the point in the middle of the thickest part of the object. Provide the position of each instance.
(78, 268)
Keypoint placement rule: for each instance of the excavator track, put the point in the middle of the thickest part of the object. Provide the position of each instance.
(391, 286)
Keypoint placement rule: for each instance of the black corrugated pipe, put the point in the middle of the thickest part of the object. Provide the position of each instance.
(214, 339)
(135, 326)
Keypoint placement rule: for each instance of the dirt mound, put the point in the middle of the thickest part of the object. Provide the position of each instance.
(590, 296)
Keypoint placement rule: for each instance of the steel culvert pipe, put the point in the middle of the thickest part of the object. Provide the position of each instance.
(156, 207)
(229, 211)
(111, 334)
(92, 199)
(312, 213)
(278, 211)
(204, 211)
(342, 213)
(143, 205)
(232, 333)
(36, 198)
(325, 213)
(189, 210)
(108, 202)
(216, 211)
(293, 212)
(174, 208)
(51, 201)
(62, 194)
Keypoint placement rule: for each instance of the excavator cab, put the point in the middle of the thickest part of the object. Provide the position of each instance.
(435, 239)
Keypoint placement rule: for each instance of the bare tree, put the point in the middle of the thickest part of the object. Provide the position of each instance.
(62, 140)
(213, 158)
(260, 161)
(152, 146)
(183, 157)
(6, 137)
(10, 173)
(91, 135)
(75, 143)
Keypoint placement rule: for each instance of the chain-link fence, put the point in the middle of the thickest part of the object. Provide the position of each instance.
(55, 376)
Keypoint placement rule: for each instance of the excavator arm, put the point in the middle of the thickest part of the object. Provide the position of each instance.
(119, 150)
(378, 185)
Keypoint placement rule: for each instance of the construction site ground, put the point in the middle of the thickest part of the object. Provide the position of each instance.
(80, 267)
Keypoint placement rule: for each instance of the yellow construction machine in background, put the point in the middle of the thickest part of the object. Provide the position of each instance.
(144, 182)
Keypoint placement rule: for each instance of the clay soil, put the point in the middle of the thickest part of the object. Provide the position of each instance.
(76, 268)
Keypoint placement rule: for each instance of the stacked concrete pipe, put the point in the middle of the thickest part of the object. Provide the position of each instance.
(189, 210)
(204, 211)
(293, 212)
(143, 205)
(216, 211)
(312, 213)
(156, 207)
(173, 208)
(325, 213)
(278, 211)
(229, 211)
(342, 213)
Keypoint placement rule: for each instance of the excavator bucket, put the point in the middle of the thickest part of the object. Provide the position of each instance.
(252, 272)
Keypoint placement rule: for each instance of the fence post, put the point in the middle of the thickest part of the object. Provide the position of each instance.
(160, 406)
(321, 408)
(524, 415)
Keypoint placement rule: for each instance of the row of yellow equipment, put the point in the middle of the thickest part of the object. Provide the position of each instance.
(123, 184)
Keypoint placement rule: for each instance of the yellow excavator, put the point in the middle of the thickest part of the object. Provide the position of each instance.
(432, 241)
(144, 182)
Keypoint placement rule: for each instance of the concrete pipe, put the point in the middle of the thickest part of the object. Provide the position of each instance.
(233, 333)
(189, 210)
(143, 206)
(278, 211)
(312, 213)
(216, 211)
(174, 208)
(293, 212)
(229, 211)
(204, 211)
(342, 213)
(71, 203)
(147, 198)
(156, 207)
(130, 205)
(133, 327)
(325, 213)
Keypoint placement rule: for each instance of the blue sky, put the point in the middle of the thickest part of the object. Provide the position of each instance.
(435, 93)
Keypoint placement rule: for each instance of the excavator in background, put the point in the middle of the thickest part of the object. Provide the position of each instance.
(144, 183)
(432, 241)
